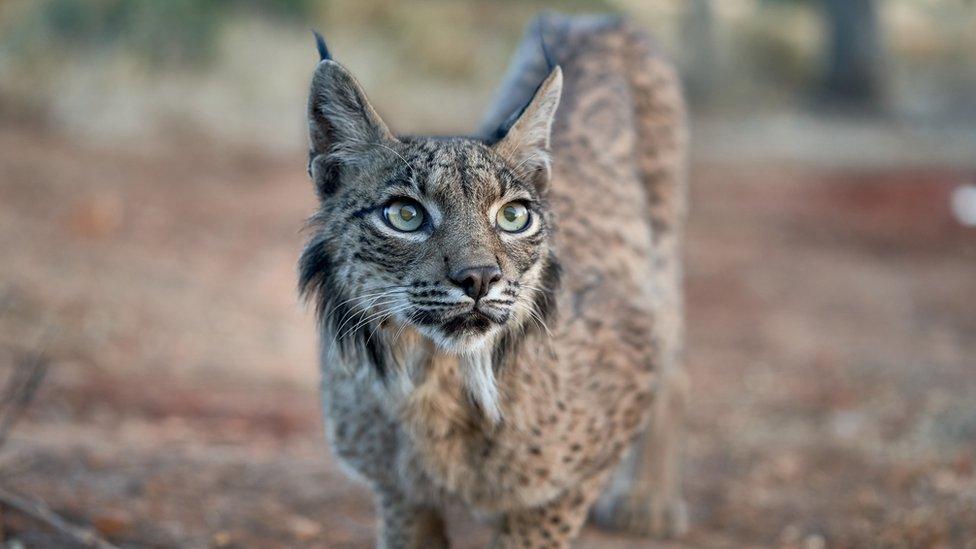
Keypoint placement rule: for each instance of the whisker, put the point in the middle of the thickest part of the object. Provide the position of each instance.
(375, 297)
(367, 320)
(403, 327)
(382, 320)
(439, 304)
(338, 335)
(546, 293)
(352, 312)
(535, 316)
(364, 319)
(386, 297)
(526, 159)
(375, 291)
(405, 163)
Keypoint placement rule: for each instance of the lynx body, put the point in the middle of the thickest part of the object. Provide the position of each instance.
(501, 315)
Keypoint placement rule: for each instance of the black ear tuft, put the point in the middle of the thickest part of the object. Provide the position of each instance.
(320, 45)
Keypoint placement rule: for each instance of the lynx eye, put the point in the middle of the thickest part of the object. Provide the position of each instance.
(404, 215)
(512, 217)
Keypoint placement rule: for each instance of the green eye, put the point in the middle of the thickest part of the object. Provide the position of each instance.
(404, 215)
(512, 217)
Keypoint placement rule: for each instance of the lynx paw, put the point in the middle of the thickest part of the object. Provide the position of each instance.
(643, 514)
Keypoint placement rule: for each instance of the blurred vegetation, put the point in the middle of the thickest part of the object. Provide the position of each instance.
(239, 68)
(185, 32)
(174, 32)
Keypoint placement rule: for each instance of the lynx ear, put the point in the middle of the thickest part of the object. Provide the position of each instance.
(526, 144)
(342, 125)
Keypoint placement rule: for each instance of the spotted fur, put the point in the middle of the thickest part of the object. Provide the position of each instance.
(522, 403)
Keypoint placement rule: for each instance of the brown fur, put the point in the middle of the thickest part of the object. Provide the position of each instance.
(528, 418)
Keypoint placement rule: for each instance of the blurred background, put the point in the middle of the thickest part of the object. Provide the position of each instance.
(159, 375)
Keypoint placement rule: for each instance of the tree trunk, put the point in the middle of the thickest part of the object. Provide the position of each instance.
(854, 55)
(699, 45)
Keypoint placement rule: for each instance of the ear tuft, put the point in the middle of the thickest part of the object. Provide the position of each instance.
(526, 143)
(321, 47)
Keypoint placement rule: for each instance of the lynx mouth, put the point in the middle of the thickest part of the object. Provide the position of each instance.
(462, 328)
(474, 321)
(466, 323)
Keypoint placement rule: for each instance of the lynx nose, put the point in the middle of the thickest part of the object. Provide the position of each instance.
(476, 281)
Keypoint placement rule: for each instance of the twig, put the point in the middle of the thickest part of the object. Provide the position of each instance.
(20, 390)
(40, 512)
(17, 395)
(6, 298)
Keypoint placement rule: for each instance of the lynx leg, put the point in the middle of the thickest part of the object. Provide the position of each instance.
(645, 496)
(553, 525)
(407, 525)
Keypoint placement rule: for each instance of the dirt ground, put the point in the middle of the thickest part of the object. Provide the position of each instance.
(832, 352)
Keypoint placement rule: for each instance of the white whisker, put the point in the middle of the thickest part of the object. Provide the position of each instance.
(535, 316)
(375, 291)
(403, 327)
(368, 319)
(400, 156)
(526, 159)
(380, 322)
(386, 297)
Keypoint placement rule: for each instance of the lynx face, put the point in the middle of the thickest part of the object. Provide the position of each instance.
(446, 239)
(448, 236)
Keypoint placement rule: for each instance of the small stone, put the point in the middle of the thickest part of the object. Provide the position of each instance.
(814, 541)
(304, 528)
(111, 525)
(222, 538)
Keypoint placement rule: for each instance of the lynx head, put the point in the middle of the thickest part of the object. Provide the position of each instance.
(445, 237)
